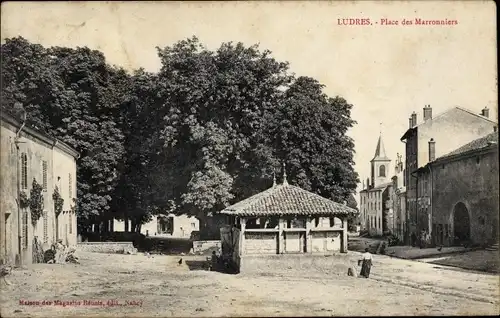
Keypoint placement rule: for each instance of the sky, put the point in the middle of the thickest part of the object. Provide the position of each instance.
(385, 71)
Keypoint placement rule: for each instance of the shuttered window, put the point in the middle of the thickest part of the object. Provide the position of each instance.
(70, 223)
(44, 176)
(25, 229)
(24, 171)
(45, 227)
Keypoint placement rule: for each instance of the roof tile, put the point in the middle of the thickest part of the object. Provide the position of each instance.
(474, 145)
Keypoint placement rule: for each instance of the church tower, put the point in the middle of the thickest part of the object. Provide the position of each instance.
(380, 165)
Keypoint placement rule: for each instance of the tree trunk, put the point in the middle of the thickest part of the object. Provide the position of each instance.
(126, 224)
(134, 226)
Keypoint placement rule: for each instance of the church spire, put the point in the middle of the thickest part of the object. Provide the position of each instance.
(380, 153)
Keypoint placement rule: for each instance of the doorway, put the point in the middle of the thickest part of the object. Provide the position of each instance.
(461, 224)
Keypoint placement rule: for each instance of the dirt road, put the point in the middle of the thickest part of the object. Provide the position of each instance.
(135, 285)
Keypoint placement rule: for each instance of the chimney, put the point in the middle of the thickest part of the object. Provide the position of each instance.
(410, 123)
(368, 183)
(427, 112)
(413, 119)
(432, 150)
(364, 184)
(485, 112)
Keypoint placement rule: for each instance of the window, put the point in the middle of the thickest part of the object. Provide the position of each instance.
(379, 222)
(24, 171)
(381, 171)
(193, 225)
(25, 229)
(70, 187)
(45, 229)
(477, 160)
(44, 176)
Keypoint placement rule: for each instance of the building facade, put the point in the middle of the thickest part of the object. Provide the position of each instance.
(171, 225)
(463, 125)
(29, 155)
(376, 210)
(398, 199)
(463, 193)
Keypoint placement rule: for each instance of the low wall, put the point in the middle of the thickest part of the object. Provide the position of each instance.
(105, 247)
(286, 263)
(203, 246)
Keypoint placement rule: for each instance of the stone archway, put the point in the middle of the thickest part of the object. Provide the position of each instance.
(461, 223)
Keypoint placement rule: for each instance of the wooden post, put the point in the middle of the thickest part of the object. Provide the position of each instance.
(243, 222)
(344, 234)
(280, 236)
(308, 235)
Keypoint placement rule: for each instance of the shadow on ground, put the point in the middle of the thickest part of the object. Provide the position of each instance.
(200, 265)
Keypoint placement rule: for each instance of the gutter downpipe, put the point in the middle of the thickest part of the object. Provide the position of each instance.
(408, 236)
(431, 206)
(19, 220)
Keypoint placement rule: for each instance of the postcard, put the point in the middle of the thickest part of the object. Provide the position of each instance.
(249, 158)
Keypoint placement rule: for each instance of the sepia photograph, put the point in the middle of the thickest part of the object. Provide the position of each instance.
(249, 159)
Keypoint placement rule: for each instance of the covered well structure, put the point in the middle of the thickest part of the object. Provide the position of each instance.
(285, 219)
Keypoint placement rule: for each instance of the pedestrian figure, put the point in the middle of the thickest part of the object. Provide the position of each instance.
(366, 263)
(422, 239)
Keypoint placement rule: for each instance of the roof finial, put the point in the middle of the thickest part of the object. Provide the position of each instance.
(274, 177)
(380, 129)
(285, 181)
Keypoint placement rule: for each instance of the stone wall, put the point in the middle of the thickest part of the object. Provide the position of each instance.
(472, 181)
(202, 246)
(105, 247)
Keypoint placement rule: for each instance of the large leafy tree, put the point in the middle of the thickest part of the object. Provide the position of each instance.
(224, 120)
(74, 95)
(309, 134)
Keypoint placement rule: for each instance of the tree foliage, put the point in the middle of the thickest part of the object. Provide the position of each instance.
(206, 130)
(74, 95)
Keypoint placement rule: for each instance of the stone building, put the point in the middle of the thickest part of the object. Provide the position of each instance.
(287, 219)
(398, 199)
(375, 207)
(460, 190)
(165, 225)
(28, 154)
(451, 129)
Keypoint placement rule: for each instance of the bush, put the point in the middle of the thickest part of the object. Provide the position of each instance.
(394, 241)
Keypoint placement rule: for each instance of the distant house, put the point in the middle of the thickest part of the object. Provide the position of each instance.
(461, 191)
(34, 156)
(451, 129)
(288, 219)
(165, 225)
(398, 199)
